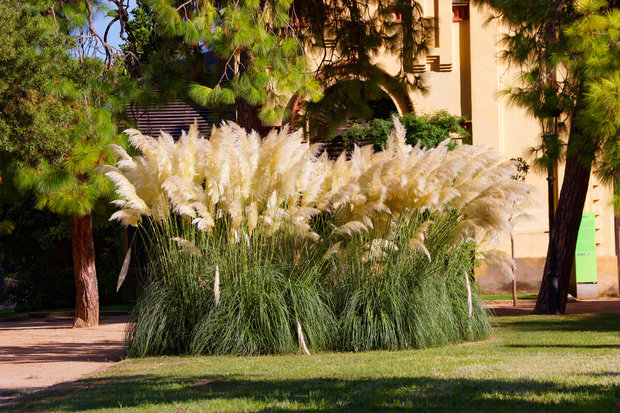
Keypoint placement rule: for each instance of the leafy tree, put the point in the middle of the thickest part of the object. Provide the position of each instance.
(262, 61)
(568, 54)
(142, 37)
(56, 122)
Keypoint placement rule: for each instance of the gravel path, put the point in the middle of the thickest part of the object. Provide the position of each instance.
(43, 352)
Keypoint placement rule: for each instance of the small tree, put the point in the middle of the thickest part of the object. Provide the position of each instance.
(56, 125)
(568, 54)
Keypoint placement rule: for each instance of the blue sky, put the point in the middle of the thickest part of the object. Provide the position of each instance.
(101, 21)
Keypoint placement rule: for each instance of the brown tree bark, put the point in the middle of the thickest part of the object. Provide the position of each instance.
(247, 116)
(567, 220)
(86, 290)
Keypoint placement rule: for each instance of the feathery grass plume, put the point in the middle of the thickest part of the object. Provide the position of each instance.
(380, 188)
(366, 253)
(187, 246)
(216, 285)
(124, 269)
(302, 342)
(469, 304)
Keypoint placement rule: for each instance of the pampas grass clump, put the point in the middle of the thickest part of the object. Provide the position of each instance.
(400, 298)
(264, 246)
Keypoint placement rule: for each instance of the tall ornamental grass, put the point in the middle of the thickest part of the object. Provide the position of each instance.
(392, 297)
(206, 294)
(264, 245)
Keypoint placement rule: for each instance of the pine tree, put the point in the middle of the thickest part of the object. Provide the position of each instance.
(264, 50)
(262, 62)
(56, 124)
(568, 54)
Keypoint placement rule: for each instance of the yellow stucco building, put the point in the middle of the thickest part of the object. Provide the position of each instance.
(465, 76)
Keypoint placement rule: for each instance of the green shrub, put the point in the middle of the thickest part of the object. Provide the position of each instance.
(428, 130)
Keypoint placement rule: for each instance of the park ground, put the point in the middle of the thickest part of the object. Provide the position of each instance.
(535, 363)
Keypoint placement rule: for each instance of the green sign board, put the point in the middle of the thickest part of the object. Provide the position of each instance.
(585, 253)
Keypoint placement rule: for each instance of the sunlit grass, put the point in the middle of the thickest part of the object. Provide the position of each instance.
(532, 363)
(520, 296)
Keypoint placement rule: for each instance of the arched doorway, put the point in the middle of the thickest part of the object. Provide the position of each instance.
(344, 103)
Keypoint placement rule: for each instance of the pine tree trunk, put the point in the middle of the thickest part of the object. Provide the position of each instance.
(247, 116)
(567, 219)
(86, 290)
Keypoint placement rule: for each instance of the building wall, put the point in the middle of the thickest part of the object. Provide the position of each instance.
(513, 131)
(465, 76)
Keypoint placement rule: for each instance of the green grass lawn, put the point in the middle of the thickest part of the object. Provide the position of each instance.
(520, 296)
(533, 363)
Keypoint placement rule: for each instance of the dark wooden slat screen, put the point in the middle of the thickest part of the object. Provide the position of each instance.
(175, 117)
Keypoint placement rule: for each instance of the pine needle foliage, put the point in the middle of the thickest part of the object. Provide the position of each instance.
(262, 61)
(343, 39)
(251, 238)
(55, 125)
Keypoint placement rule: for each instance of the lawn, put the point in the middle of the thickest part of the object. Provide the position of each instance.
(534, 363)
(520, 296)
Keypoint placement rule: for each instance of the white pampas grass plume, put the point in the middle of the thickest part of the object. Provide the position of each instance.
(420, 232)
(252, 216)
(351, 228)
(216, 285)
(417, 244)
(333, 250)
(127, 191)
(278, 183)
(500, 260)
(302, 342)
(378, 250)
(187, 246)
(417, 241)
(127, 217)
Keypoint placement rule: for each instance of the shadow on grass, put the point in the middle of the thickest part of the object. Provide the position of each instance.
(584, 346)
(569, 323)
(321, 394)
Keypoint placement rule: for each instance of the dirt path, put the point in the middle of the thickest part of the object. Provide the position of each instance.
(525, 307)
(44, 352)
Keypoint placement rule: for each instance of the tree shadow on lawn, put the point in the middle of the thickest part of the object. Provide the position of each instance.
(573, 322)
(571, 346)
(321, 394)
